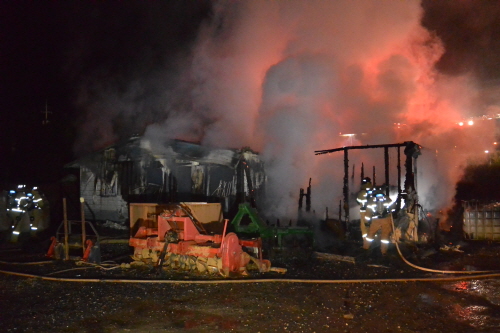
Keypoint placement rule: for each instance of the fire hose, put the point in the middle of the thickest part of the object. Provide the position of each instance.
(429, 269)
(239, 281)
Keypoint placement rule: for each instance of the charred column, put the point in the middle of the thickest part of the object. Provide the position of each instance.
(346, 185)
(301, 197)
(374, 177)
(386, 160)
(308, 197)
(399, 180)
(240, 183)
(248, 176)
(411, 151)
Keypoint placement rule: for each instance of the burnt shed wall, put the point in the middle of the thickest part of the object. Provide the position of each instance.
(112, 179)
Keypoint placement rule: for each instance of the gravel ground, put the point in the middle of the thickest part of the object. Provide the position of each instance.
(36, 305)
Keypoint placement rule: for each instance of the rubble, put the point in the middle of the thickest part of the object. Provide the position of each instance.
(330, 256)
(454, 248)
(114, 225)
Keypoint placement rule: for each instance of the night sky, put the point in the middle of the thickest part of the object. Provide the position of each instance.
(50, 49)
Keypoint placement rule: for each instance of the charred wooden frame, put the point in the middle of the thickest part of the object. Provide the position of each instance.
(412, 150)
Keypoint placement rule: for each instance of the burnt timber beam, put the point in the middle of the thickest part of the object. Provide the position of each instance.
(392, 145)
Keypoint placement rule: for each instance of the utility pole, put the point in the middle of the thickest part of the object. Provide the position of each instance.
(46, 112)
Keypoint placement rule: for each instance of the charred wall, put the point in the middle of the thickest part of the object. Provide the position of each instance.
(113, 178)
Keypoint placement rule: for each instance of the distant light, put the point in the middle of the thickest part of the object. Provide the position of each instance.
(349, 135)
(34, 228)
(495, 143)
(15, 232)
(486, 151)
(461, 123)
(470, 122)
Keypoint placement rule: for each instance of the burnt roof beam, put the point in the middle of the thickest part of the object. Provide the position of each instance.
(391, 145)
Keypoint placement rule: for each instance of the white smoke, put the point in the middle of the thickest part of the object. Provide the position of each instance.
(288, 77)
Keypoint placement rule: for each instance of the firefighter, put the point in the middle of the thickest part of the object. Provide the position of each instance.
(363, 196)
(379, 207)
(39, 213)
(20, 205)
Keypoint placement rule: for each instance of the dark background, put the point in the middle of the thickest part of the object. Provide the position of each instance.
(49, 47)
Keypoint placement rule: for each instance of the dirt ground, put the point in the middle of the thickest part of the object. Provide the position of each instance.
(36, 305)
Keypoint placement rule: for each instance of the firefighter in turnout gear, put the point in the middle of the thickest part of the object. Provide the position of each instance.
(27, 213)
(39, 214)
(379, 208)
(363, 196)
(20, 204)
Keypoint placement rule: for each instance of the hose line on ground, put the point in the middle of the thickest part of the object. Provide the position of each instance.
(68, 270)
(27, 263)
(239, 281)
(434, 270)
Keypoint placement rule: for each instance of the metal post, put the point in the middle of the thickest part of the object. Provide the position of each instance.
(65, 217)
(82, 212)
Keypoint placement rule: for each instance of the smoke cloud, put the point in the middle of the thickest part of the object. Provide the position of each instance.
(289, 77)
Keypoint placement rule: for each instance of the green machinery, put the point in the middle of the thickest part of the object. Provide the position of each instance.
(247, 222)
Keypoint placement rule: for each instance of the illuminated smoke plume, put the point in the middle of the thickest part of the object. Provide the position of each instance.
(288, 77)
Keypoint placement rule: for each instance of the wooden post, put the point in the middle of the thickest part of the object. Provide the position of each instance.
(374, 177)
(399, 179)
(346, 186)
(65, 216)
(84, 234)
(386, 160)
(308, 197)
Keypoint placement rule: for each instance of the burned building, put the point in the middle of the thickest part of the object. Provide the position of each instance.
(176, 171)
